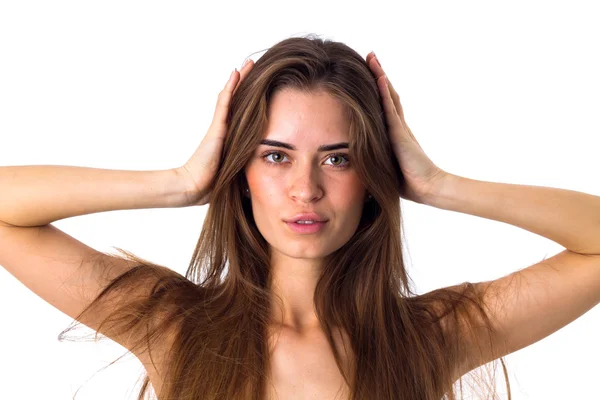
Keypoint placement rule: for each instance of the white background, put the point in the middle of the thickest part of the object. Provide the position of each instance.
(505, 92)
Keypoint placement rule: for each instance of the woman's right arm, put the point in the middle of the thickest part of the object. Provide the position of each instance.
(64, 271)
(60, 269)
(37, 195)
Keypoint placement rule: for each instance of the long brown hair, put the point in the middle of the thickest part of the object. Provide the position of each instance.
(218, 315)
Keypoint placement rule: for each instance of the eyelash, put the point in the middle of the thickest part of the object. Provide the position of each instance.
(272, 163)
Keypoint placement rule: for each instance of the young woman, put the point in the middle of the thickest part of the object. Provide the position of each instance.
(297, 286)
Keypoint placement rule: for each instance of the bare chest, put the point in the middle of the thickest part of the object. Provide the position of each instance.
(302, 369)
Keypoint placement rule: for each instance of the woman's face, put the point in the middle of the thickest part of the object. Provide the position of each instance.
(305, 179)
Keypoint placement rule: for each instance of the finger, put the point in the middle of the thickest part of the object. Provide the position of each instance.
(378, 71)
(396, 99)
(389, 109)
(243, 73)
(399, 121)
(224, 97)
(391, 99)
(375, 67)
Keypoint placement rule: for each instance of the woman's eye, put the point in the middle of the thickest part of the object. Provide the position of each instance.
(279, 156)
(338, 156)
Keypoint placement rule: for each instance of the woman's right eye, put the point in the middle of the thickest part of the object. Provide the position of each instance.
(270, 154)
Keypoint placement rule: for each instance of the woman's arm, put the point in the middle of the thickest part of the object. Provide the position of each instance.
(530, 304)
(567, 217)
(36, 195)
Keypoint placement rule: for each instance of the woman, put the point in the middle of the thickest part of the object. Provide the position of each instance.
(275, 308)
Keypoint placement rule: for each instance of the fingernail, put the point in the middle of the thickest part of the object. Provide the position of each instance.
(245, 62)
(376, 59)
(231, 76)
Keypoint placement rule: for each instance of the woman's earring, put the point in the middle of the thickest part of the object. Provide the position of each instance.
(247, 192)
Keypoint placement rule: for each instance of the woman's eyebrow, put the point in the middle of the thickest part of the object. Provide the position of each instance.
(325, 147)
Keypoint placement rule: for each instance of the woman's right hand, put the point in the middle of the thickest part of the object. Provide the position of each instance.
(200, 170)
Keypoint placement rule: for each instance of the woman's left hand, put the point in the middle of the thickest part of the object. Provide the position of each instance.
(423, 178)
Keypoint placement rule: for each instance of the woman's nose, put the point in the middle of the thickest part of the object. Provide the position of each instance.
(306, 186)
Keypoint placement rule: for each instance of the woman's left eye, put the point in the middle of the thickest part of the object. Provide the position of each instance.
(330, 156)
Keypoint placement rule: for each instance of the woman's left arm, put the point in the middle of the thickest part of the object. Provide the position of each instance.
(529, 304)
(567, 217)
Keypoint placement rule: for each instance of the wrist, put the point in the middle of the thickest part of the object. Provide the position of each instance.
(177, 187)
(441, 190)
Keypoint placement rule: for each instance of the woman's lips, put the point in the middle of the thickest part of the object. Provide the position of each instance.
(306, 228)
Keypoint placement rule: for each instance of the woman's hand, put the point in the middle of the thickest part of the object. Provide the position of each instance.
(423, 178)
(200, 170)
